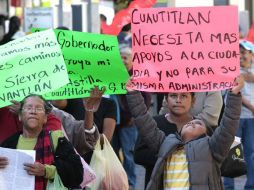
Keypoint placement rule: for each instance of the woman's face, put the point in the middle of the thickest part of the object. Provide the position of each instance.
(33, 114)
(180, 103)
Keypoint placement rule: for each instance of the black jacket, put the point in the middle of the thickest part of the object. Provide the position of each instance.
(67, 162)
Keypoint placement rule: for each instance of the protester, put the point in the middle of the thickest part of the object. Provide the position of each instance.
(82, 139)
(169, 123)
(14, 31)
(204, 105)
(125, 135)
(246, 130)
(35, 136)
(126, 132)
(10, 123)
(199, 156)
(207, 107)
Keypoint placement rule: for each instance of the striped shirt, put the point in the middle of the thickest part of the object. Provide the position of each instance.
(176, 174)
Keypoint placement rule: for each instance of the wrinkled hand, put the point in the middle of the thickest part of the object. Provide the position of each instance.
(14, 108)
(239, 84)
(92, 103)
(3, 162)
(36, 169)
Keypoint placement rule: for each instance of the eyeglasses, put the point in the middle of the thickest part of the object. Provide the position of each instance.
(181, 96)
(245, 51)
(36, 109)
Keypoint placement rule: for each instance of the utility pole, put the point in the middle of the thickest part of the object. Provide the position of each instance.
(89, 16)
(60, 13)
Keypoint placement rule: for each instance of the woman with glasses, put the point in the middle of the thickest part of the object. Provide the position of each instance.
(35, 136)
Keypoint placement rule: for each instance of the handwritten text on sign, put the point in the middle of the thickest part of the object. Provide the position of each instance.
(185, 49)
(31, 65)
(91, 59)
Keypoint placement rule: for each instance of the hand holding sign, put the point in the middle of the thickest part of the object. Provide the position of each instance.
(129, 85)
(92, 103)
(239, 84)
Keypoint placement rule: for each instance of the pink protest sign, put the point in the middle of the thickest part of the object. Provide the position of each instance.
(185, 49)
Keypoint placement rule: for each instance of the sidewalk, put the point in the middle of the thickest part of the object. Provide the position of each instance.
(140, 172)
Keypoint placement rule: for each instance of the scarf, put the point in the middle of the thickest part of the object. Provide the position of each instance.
(44, 155)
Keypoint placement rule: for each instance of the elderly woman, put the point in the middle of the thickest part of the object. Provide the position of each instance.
(81, 133)
(33, 114)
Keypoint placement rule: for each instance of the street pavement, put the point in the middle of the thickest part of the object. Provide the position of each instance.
(140, 172)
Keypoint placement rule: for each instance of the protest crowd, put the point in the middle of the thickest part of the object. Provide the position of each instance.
(169, 90)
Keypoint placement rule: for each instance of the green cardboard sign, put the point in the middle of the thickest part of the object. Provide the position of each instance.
(32, 64)
(91, 59)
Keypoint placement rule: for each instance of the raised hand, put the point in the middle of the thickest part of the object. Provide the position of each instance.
(239, 84)
(129, 85)
(92, 103)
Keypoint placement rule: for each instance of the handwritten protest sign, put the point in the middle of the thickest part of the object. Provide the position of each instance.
(91, 59)
(185, 49)
(31, 64)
